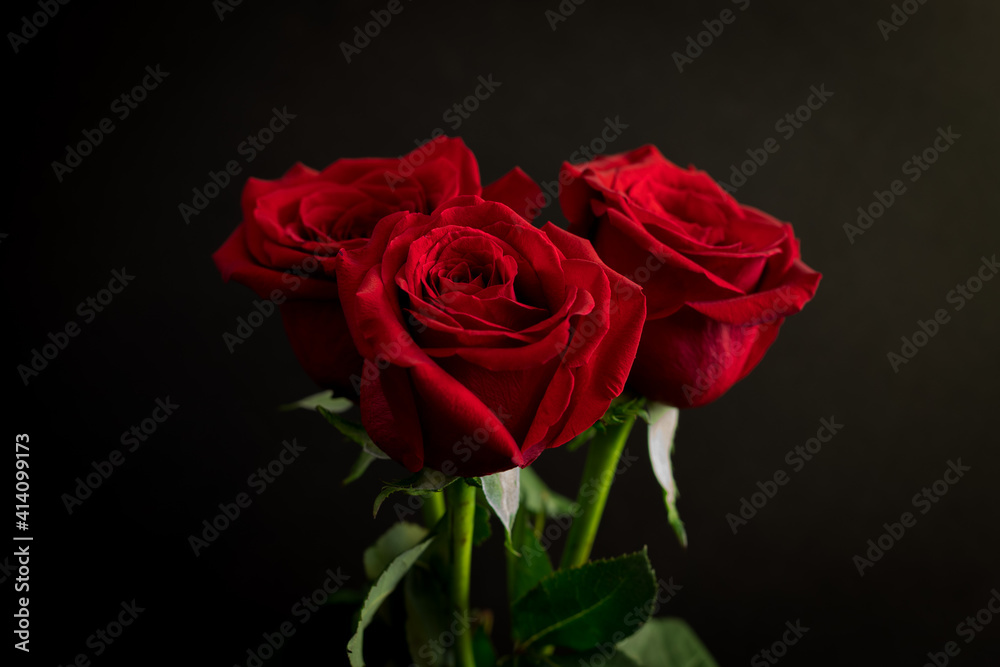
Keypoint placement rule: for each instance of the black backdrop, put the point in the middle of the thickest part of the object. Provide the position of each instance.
(162, 335)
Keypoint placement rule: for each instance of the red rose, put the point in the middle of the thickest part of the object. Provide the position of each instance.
(293, 229)
(719, 277)
(485, 339)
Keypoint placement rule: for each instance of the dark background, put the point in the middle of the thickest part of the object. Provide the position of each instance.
(162, 336)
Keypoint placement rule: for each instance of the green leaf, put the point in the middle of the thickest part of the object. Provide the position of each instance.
(538, 498)
(360, 466)
(530, 564)
(482, 649)
(662, 428)
(584, 606)
(503, 493)
(481, 529)
(667, 642)
(400, 537)
(323, 399)
(385, 585)
(428, 614)
(418, 484)
(354, 431)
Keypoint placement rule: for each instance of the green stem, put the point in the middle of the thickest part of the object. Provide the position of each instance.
(463, 512)
(517, 537)
(433, 508)
(598, 473)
